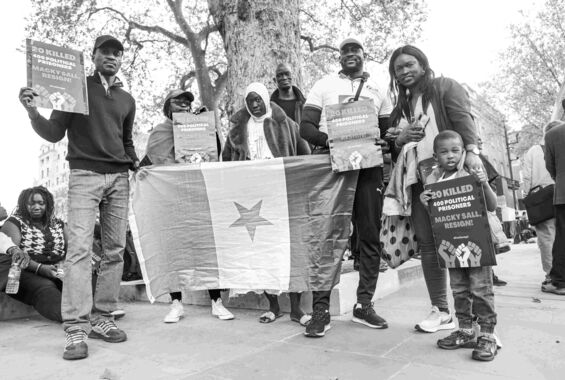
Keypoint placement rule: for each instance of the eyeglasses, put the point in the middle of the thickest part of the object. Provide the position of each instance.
(181, 102)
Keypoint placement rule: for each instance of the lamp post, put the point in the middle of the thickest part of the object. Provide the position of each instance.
(510, 165)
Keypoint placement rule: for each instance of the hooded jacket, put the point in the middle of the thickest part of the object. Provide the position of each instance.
(280, 131)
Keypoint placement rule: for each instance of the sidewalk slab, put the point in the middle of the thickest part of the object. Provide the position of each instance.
(531, 325)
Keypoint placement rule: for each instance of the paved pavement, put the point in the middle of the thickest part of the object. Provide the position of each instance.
(531, 326)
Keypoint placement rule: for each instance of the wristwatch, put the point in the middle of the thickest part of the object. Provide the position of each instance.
(474, 150)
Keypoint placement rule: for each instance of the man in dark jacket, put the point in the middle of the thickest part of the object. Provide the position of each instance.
(555, 164)
(287, 96)
(100, 153)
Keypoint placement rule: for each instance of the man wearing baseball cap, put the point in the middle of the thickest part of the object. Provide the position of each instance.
(100, 152)
(334, 89)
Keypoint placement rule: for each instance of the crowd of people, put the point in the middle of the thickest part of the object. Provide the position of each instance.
(286, 123)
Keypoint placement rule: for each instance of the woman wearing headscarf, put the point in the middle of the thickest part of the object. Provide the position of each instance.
(262, 130)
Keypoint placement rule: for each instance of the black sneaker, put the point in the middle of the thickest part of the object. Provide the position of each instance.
(458, 339)
(486, 349)
(108, 332)
(365, 314)
(319, 324)
(75, 345)
(497, 281)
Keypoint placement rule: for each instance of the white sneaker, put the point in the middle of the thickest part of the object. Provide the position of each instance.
(435, 321)
(220, 311)
(176, 312)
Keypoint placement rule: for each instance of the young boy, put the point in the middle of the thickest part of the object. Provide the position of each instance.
(471, 287)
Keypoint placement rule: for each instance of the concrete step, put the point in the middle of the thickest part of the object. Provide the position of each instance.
(342, 299)
(343, 296)
(12, 309)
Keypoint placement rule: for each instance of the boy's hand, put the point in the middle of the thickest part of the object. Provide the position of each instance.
(425, 197)
(383, 144)
(480, 175)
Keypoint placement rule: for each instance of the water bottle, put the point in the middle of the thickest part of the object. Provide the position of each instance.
(13, 279)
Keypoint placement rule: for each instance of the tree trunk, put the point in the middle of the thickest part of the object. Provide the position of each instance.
(257, 35)
(559, 107)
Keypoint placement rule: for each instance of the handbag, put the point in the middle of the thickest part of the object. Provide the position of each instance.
(398, 239)
(539, 204)
(497, 233)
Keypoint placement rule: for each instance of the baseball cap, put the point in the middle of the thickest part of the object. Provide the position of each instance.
(175, 94)
(351, 40)
(178, 92)
(106, 39)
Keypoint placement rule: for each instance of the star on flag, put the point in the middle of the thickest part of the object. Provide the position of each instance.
(250, 218)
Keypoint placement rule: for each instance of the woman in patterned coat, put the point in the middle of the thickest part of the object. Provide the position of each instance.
(37, 232)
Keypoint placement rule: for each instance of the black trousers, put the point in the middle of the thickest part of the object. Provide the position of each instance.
(367, 210)
(214, 295)
(557, 273)
(42, 293)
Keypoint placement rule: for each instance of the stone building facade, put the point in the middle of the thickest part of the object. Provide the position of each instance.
(53, 173)
(491, 129)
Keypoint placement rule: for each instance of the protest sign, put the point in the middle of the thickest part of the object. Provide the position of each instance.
(352, 131)
(460, 225)
(56, 74)
(195, 137)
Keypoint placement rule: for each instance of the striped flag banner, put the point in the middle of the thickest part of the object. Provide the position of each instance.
(280, 224)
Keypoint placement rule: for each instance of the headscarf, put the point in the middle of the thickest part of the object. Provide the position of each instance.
(262, 91)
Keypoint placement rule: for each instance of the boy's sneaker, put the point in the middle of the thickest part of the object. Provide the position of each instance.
(435, 321)
(550, 288)
(220, 311)
(75, 345)
(365, 314)
(485, 349)
(458, 339)
(175, 313)
(108, 332)
(319, 324)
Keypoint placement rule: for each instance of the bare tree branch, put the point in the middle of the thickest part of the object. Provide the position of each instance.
(220, 84)
(151, 29)
(311, 16)
(187, 79)
(313, 48)
(543, 58)
(176, 8)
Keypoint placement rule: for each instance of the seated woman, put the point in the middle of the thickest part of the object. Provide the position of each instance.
(35, 230)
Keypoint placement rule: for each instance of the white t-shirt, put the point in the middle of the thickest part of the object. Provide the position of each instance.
(339, 88)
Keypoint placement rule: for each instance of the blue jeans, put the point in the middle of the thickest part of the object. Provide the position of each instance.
(88, 193)
(474, 297)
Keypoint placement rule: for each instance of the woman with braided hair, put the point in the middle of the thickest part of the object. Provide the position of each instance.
(35, 230)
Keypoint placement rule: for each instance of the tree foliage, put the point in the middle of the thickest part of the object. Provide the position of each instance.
(176, 43)
(532, 71)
